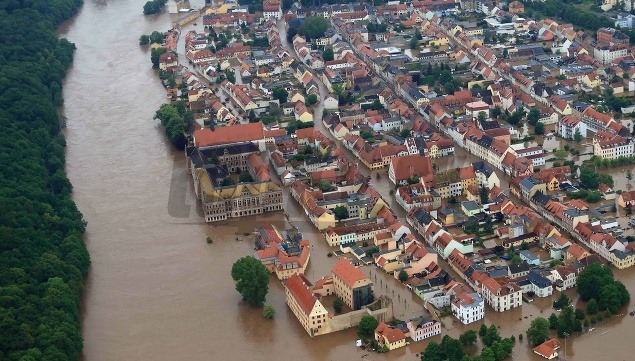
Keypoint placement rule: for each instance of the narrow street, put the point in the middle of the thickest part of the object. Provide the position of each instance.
(381, 184)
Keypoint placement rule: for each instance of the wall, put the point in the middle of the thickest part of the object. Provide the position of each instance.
(381, 309)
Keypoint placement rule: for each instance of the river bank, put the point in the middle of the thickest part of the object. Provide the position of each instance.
(156, 290)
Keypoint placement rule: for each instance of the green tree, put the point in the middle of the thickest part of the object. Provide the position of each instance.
(482, 331)
(144, 40)
(252, 280)
(414, 44)
(534, 116)
(484, 195)
(376, 105)
(155, 54)
(231, 77)
(153, 6)
(482, 117)
(405, 133)
(590, 178)
(539, 129)
(340, 212)
(367, 325)
(280, 93)
(566, 321)
(577, 136)
(629, 175)
(591, 279)
(172, 122)
(496, 112)
(311, 100)
(613, 296)
(433, 352)
(338, 304)
(491, 336)
(468, 338)
(561, 154)
(245, 178)
(452, 348)
(538, 331)
(562, 301)
(403, 276)
(313, 27)
(328, 55)
(592, 307)
(553, 321)
(579, 314)
(268, 311)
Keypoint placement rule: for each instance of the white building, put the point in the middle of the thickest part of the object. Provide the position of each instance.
(567, 127)
(502, 294)
(613, 148)
(606, 54)
(468, 307)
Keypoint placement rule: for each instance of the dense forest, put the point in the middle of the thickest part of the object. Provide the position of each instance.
(567, 11)
(43, 260)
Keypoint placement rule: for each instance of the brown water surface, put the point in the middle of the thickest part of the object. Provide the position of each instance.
(156, 289)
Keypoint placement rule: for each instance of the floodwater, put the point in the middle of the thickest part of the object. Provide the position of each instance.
(156, 290)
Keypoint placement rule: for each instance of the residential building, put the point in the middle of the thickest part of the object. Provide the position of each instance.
(613, 148)
(626, 199)
(389, 336)
(312, 315)
(468, 307)
(548, 349)
(501, 293)
(352, 285)
(423, 327)
(569, 125)
(409, 167)
(284, 256)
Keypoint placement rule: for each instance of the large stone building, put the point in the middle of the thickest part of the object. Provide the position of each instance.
(233, 181)
(305, 305)
(283, 254)
(352, 285)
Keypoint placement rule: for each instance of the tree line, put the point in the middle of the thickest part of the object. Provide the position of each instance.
(569, 13)
(176, 119)
(42, 253)
(495, 347)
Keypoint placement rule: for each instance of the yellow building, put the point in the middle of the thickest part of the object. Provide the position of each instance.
(390, 337)
(242, 199)
(305, 306)
(352, 285)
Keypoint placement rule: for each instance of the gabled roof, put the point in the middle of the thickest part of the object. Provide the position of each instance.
(348, 273)
(300, 290)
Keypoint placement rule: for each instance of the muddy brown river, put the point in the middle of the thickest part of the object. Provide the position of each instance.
(156, 290)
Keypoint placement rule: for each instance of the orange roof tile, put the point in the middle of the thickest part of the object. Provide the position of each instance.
(348, 273)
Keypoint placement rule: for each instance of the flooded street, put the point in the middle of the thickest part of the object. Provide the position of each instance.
(156, 290)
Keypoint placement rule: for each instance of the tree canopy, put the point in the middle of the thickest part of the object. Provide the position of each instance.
(280, 93)
(340, 212)
(153, 6)
(42, 254)
(314, 27)
(252, 280)
(367, 325)
(596, 284)
(451, 349)
(173, 122)
(538, 331)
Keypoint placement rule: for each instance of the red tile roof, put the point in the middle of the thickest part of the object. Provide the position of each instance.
(228, 135)
(299, 287)
(348, 273)
(547, 348)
